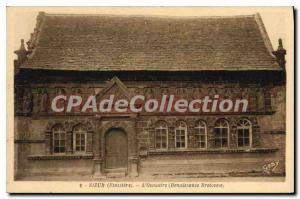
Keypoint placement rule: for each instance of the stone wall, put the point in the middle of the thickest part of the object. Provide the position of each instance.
(266, 113)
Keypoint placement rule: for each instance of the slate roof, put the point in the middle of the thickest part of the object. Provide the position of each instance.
(141, 43)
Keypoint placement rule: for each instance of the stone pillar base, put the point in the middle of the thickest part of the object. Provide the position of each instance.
(98, 176)
(97, 169)
(133, 167)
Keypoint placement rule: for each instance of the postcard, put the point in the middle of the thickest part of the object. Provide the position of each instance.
(150, 100)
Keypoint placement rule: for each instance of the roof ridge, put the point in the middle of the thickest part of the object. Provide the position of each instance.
(150, 16)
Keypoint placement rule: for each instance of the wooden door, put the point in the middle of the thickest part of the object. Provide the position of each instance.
(116, 149)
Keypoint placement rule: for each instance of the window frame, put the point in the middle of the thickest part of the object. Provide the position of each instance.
(198, 134)
(61, 130)
(242, 126)
(219, 125)
(80, 131)
(160, 126)
(180, 128)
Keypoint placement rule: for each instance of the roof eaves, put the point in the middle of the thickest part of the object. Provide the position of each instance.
(149, 70)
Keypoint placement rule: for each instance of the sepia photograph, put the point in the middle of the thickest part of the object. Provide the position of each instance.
(156, 99)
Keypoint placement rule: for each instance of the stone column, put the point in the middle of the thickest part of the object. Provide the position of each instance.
(48, 142)
(89, 140)
(255, 136)
(133, 158)
(210, 137)
(97, 149)
(98, 168)
(133, 166)
(69, 140)
(233, 137)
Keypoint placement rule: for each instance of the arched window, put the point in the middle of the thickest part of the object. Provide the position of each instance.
(161, 135)
(181, 135)
(59, 139)
(244, 133)
(79, 139)
(201, 134)
(221, 133)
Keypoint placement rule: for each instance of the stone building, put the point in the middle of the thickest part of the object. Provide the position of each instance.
(189, 57)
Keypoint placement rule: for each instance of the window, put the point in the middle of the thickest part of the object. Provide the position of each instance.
(161, 135)
(268, 102)
(201, 134)
(244, 133)
(181, 135)
(221, 133)
(59, 139)
(79, 137)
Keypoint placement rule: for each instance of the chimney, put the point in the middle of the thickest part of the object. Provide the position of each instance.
(280, 54)
(22, 56)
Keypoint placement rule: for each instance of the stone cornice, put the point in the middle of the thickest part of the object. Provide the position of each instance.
(60, 157)
(151, 114)
(29, 141)
(209, 151)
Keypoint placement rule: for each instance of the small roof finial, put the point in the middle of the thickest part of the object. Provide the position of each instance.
(22, 55)
(280, 54)
(280, 46)
(22, 45)
(22, 52)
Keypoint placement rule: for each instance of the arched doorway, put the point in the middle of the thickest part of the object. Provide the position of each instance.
(116, 149)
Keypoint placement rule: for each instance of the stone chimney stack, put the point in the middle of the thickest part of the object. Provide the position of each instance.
(280, 54)
(22, 56)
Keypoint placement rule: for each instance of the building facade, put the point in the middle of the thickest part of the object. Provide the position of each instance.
(124, 56)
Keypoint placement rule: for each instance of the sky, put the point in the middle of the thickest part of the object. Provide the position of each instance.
(277, 20)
